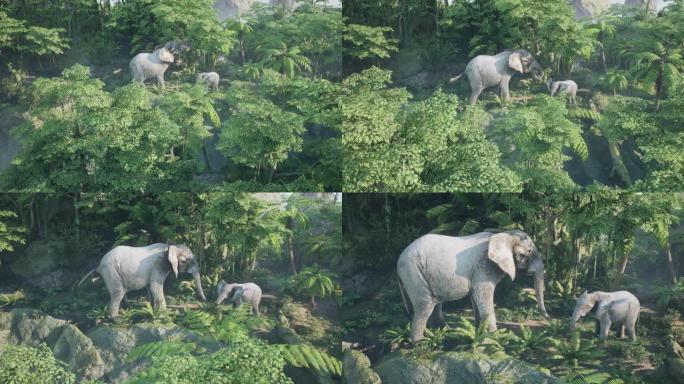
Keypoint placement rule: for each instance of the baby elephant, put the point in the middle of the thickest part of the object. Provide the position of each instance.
(619, 307)
(236, 293)
(565, 86)
(209, 78)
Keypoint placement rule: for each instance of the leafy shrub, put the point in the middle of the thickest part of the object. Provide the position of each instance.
(479, 340)
(572, 352)
(313, 282)
(397, 337)
(245, 361)
(29, 365)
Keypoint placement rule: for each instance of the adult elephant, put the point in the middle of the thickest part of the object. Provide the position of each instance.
(435, 269)
(153, 65)
(127, 268)
(485, 71)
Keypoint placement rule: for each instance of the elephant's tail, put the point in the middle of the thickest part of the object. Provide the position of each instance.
(453, 79)
(404, 299)
(94, 270)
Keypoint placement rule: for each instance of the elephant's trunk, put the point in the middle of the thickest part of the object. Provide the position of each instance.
(539, 291)
(198, 284)
(573, 321)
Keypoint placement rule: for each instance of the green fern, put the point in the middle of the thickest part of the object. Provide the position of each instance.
(305, 356)
(576, 142)
(196, 320)
(159, 349)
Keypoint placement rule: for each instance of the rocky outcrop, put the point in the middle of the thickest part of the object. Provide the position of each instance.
(356, 369)
(114, 344)
(653, 5)
(32, 327)
(458, 367)
(40, 257)
(226, 9)
(101, 353)
(589, 8)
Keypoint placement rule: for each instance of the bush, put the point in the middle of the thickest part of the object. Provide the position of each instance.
(29, 365)
(245, 361)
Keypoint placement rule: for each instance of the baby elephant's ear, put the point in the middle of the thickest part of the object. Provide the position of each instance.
(173, 258)
(501, 252)
(514, 62)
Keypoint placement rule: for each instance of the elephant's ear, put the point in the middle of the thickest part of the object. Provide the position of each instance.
(514, 62)
(165, 55)
(173, 258)
(501, 252)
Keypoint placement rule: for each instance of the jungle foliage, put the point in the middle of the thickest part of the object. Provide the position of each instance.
(274, 125)
(399, 55)
(601, 239)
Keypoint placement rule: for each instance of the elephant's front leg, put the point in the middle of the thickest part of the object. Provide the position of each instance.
(505, 94)
(157, 290)
(605, 327)
(160, 80)
(483, 296)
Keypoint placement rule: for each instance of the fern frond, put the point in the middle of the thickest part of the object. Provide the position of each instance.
(160, 348)
(305, 356)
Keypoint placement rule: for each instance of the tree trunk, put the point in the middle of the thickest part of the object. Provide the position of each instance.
(621, 269)
(291, 251)
(670, 266)
(659, 86)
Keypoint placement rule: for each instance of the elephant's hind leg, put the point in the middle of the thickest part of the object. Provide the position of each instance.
(621, 329)
(438, 316)
(421, 315)
(115, 301)
(475, 93)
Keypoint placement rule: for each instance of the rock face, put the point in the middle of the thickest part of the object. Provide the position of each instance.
(226, 9)
(356, 369)
(114, 344)
(653, 5)
(40, 257)
(458, 367)
(589, 8)
(98, 355)
(32, 327)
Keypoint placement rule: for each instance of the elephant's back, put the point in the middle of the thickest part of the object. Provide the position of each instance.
(445, 262)
(626, 295)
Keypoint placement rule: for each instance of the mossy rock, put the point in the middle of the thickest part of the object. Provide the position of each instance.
(39, 258)
(356, 369)
(458, 367)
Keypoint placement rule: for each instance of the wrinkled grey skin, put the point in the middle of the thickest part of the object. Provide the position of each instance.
(486, 71)
(237, 293)
(127, 268)
(209, 78)
(621, 308)
(568, 87)
(146, 65)
(435, 269)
